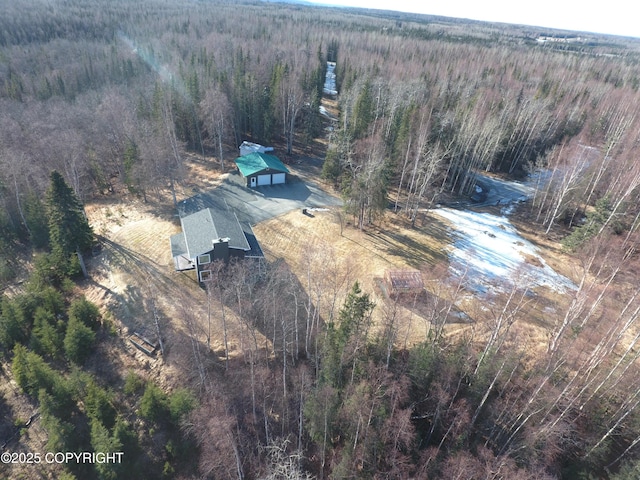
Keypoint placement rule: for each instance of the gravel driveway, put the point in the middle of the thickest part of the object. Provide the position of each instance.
(259, 204)
(503, 192)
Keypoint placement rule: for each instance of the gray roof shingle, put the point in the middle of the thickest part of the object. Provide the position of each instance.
(201, 228)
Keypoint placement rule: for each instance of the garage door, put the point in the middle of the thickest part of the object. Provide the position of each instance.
(278, 178)
(264, 180)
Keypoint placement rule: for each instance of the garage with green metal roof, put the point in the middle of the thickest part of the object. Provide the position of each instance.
(260, 169)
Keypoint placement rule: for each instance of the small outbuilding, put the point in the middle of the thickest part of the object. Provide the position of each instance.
(261, 169)
(404, 281)
(248, 148)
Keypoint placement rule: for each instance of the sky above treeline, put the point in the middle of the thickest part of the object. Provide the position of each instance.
(616, 17)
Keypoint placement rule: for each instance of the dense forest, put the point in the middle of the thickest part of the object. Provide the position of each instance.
(105, 101)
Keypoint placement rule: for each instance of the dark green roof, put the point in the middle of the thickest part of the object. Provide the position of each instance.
(258, 162)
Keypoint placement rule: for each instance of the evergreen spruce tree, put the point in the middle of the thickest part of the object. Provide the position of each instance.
(85, 311)
(37, 221)
(14, 327)
(363, 111)
(131, 159)
(46, 335)
(69, 231)
(344, 342)
(78, 341)
(154, 405)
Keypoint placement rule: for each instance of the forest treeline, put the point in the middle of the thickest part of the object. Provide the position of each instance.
(115, 95)
(48, 333)
(119, 91)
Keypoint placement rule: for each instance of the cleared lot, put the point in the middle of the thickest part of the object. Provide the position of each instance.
(133, 275)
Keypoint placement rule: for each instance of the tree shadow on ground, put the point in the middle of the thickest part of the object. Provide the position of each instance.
(415, 253)
(435, 309)
(8, 430)
(136, 305)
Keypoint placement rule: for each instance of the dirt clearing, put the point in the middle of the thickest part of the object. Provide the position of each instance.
(296, 237)
(133, 277)
(321, 248)
(322, 245)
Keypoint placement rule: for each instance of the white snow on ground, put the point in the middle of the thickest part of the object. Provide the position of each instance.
(323, 111)
(330, 80)
(491, 255)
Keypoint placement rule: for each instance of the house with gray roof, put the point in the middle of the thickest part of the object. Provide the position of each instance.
(208, 235)
(262, 169)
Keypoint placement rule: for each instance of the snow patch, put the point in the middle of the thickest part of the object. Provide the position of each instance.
(323, 111)
(330, 80)
(492, 256)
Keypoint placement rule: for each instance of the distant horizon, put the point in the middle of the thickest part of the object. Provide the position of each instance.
(614, 19)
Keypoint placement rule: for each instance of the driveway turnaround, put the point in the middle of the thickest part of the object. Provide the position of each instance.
(255, 205)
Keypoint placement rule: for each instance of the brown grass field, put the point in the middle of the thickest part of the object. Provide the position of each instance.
(134, 272)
